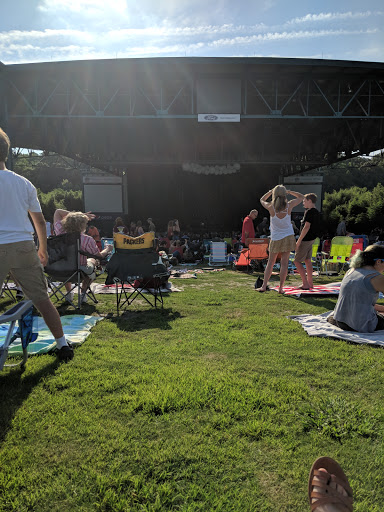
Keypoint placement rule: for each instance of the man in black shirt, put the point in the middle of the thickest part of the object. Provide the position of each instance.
(310, 229)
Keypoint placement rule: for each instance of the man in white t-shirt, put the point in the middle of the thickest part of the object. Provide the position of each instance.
(18, 254)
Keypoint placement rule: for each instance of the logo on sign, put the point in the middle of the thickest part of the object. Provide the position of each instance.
(211, 117)
(133, 241)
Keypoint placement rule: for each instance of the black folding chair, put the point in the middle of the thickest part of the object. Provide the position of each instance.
(7, 291)
(137, 271)
(64, 267)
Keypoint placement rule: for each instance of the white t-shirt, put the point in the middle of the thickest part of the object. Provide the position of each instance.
(17, 197)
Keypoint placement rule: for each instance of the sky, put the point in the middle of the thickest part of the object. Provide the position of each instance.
(58, 30)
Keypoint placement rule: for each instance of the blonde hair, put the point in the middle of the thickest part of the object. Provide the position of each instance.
(367, 257)
(75, 222)
(279, 198)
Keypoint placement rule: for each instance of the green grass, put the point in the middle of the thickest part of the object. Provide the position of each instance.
(217, 403)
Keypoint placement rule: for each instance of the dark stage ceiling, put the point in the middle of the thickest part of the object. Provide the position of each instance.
(295, 114)
(141, 116)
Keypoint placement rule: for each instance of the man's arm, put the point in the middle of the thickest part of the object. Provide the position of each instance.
(41, 230)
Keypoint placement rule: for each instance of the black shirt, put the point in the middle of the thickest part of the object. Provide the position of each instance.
(313, 217)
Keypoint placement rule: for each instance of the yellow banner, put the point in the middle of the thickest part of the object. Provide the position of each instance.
(145, 241)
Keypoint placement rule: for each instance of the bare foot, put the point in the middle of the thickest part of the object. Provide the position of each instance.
(262, 290)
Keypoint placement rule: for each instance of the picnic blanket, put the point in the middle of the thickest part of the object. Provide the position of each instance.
(101, 288)
(319, 289)
(317, 325)
(182, 274)
(76, 329)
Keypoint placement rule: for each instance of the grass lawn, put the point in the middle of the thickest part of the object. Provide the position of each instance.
(218, 402)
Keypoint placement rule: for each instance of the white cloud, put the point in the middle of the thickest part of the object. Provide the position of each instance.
(285, 36)
(372, 53)
(82, 6)
(333, 16)
(97, 29)
(20, 35)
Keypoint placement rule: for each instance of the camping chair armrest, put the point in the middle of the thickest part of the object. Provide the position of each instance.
(89, 255)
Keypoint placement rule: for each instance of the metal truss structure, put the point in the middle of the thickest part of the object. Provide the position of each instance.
(295, 114)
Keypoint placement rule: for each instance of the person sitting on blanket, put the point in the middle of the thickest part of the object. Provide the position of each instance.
(176, 250)
(356, 308)
(76, 222)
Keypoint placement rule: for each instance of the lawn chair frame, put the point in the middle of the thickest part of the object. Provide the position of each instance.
(218, 254)
(64, 267)
(340, 251)
(135, 268)
(13, 315)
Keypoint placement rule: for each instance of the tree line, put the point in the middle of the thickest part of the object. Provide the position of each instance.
(354, 190)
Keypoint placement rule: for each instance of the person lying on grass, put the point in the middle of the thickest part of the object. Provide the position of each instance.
(356, 308)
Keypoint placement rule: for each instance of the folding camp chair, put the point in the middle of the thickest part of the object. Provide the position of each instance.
(137, 270)
(360, 242)
(7, 291)
(21, 313)
(316, 255)
(207, 247)
(258, 252)
(340, 252)
(218, 254)
(64, 267)
(228, 240)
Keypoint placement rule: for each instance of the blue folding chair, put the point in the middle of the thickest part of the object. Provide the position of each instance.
(23, 314)
(218, 254)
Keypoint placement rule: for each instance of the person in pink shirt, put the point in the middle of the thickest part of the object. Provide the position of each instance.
(248, 230)
(76, 222)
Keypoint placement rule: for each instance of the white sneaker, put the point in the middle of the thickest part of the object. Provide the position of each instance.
(84, 298)
(69, 297)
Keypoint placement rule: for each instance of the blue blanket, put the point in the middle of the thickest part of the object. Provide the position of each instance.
(76, 329)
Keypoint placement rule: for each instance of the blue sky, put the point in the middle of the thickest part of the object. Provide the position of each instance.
(56, 30)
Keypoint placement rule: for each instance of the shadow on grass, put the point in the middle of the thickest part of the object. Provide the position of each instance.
(6, 303)
(14, 389)
(324, 302)
(136, 320)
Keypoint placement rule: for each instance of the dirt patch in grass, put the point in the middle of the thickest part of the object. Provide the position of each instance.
(215, 356)
(235, 314)
(202, 285)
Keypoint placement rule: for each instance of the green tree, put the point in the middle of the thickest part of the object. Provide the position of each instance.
(360, 172)
(59, 198)
(362, 209)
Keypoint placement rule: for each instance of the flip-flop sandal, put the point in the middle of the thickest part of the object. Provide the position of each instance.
(262, 291)
(335, 475)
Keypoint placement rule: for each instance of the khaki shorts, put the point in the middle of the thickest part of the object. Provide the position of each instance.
(286, 244)
(22, 261)
(305, 251)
